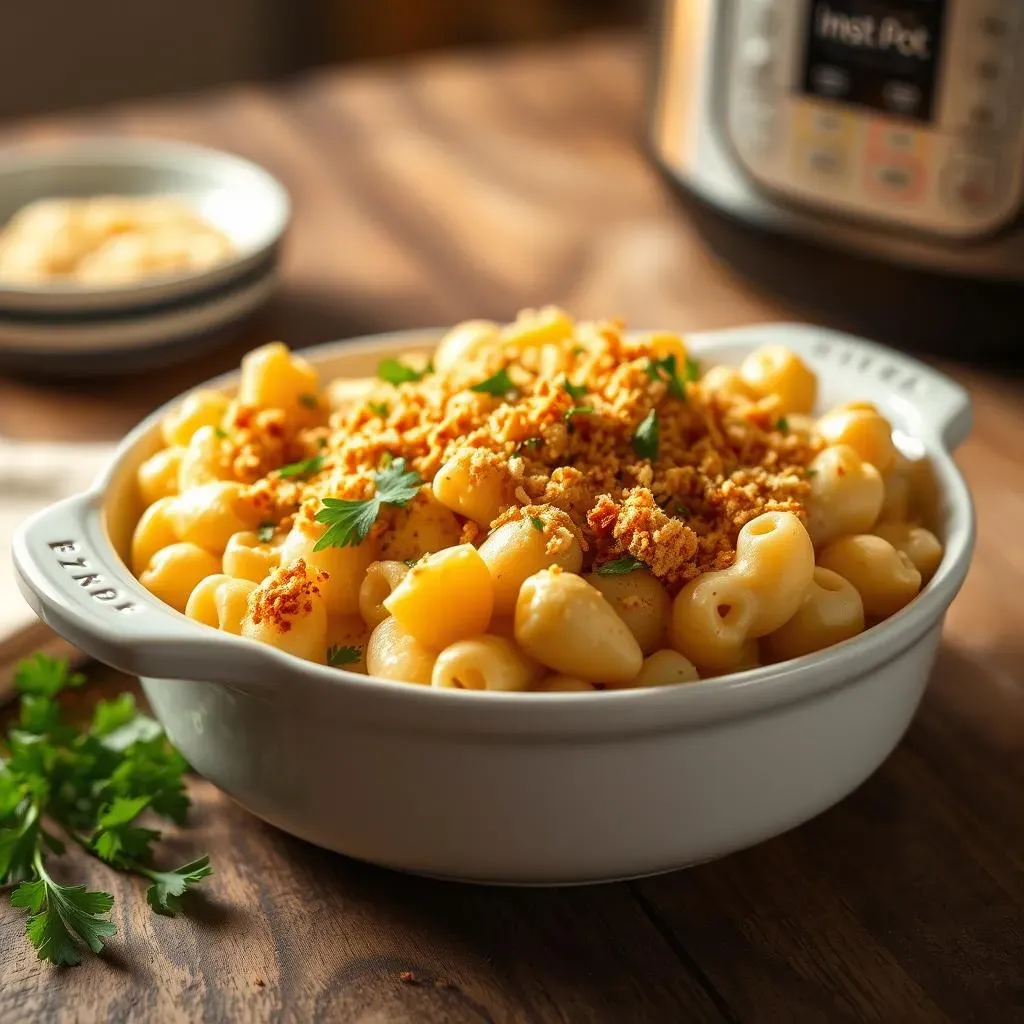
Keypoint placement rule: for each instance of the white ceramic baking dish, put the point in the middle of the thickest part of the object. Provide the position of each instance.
(519, 788)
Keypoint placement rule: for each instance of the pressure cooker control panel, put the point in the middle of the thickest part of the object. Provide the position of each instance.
(909, 111)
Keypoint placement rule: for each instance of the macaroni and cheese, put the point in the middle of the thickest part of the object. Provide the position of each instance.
(542, 506)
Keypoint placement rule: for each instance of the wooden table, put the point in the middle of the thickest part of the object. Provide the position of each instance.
(473, 186)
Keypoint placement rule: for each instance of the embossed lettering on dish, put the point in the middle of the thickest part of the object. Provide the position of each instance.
(90, 581)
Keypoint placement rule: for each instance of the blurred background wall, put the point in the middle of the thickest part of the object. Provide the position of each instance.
(60, 54)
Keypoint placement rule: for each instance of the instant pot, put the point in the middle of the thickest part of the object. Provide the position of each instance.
(862, 157)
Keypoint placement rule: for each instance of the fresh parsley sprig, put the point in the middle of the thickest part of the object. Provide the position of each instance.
(349, 521)
(89, 786)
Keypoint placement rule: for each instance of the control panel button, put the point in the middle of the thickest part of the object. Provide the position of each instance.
(902, 97)
(987, 114)
(999, 23)
(895, 179)
(969, 183)
(994, 69)
(827, 162)
(829, 80)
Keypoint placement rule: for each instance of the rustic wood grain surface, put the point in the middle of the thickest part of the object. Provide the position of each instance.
(473, 186)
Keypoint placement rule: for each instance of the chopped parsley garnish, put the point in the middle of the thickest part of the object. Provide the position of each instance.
(386, 459)
(410, 562)
(577, 410)
(394, 371)
(665, 370)
(682, 510)
(538, 523)
(87, 785)
(621, 566)
(692, 369)
(782, 424)
(265, 532)
(307, 467)
(645, 437)
(812, 472)
(498, 384)
(380, 408)
(348, 521)
(530, 442)
(309, 401)
(338, 656)
(576, 391)
(220, 432)
(578, 350)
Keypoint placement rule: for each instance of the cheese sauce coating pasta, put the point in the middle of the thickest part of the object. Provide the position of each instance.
(540, 506)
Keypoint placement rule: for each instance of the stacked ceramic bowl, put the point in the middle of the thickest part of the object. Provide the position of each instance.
(66, 325)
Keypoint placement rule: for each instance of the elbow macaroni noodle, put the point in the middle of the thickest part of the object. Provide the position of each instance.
(500, 563)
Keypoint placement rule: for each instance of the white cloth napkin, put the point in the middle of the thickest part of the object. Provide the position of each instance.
(33, 475)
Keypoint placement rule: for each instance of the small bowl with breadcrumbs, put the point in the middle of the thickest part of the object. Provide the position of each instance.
(537, 602)
(117, 253)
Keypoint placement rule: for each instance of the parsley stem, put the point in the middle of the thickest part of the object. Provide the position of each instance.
(37, 863)
(122, 865)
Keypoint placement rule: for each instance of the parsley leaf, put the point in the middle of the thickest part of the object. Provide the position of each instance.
(645, 437)
(44, 676)
(621, 566)
(164, 895)
(538, 523)
(379, 408)
(349, 521)
(338, 656)
(812, 473)
(110, 715)
(576, 391)
(499, 384)
(18, 847)
(61, 914)
(265, 532)
(692, 369)
(782, 424)
(119, 842)
(220, 433)
(665, 370)
(309, 401)
(394, 371)
(307, 467)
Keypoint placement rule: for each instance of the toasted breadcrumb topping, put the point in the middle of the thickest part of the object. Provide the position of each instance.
(561, 443)
(288, 593)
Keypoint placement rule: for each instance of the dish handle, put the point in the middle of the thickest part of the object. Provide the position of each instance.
(71, 578)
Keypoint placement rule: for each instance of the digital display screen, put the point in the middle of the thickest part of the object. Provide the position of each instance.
(875, 54)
